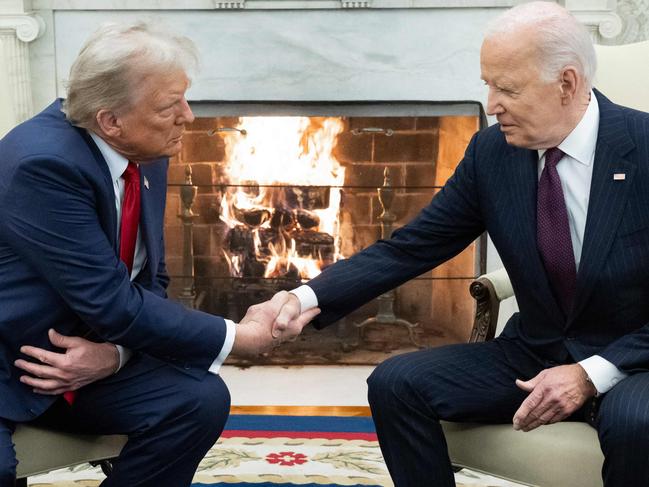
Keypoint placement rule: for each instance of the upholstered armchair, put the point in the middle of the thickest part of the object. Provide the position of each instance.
(564, 454)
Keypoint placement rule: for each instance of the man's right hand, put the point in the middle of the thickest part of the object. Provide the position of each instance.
(256, 332)
(81, 363)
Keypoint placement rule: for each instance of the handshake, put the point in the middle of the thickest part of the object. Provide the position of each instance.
(267, 325)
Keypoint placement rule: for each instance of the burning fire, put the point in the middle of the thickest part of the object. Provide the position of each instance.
(282, 205)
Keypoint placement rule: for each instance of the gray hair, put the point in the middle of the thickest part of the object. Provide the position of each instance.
(112, 63)
(562, 39)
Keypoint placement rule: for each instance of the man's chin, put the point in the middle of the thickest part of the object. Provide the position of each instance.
(513, 140)
(174, 148)
(510, 138)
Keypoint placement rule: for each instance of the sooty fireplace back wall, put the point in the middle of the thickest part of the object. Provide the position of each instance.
(279, 197)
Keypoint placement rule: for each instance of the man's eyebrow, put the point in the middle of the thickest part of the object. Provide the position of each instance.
(170, 99)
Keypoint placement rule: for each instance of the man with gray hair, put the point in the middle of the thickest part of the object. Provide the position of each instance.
(561, 184)
(89, 342)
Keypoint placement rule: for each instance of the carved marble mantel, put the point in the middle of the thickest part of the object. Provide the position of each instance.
(281, 49)
(17, 30)
(599, 16)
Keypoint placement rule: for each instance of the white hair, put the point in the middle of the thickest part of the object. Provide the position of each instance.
(113, 62)
(562, 39)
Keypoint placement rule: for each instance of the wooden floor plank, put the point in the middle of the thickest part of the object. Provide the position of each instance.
(302, 410)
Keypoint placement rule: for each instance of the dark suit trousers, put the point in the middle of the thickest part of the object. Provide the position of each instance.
(171, 418)
(410, 393)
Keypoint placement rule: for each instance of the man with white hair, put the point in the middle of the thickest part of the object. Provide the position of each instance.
(88, 340)
(561, 184)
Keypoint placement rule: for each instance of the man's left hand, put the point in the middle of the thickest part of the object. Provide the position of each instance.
(555, 394)
(82, 363)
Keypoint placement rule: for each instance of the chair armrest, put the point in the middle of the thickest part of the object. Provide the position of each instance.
(488, 290)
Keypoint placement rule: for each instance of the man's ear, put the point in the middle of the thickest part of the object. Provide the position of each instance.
(569, 81)
(108, 123)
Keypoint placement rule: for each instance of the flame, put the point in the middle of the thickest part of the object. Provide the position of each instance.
(283, 184)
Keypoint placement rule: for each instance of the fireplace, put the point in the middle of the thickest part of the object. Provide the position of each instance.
(282, 190)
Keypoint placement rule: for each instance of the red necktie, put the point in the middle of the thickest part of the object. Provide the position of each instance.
(128, 229)
(130, 215)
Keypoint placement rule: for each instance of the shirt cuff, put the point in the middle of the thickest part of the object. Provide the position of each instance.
(306, 296)
(602, 373)
(230, 333)
(124, 356)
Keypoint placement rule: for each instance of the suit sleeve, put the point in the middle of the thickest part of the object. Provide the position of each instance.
(629, 352)
(440, 231)
(51, 221)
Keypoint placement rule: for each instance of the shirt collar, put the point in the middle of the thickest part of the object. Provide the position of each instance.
(580, 143)
(116, 162)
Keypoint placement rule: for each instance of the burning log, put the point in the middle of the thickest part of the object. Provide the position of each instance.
(253, 267)
(253, 217)
(311, 237)
(271, 237)
(282, 218)
(315, 245)
(240, 240)
(307, 219)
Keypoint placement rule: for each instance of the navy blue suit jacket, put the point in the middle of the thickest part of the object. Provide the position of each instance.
(59, 262)
(494, 189)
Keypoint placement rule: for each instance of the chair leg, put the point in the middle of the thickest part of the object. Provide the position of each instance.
(21, 482)
(106, 466)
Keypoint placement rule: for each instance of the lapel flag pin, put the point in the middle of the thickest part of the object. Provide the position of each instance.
(146, 182)
(619, 176)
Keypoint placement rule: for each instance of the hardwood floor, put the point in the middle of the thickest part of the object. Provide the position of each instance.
(303, 410)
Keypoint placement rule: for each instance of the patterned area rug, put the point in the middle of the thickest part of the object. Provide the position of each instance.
(274, 451)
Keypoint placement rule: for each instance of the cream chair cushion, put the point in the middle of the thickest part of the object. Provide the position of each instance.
(557, 455)
(39, 450)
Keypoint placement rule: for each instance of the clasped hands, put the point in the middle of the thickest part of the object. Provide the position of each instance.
(267, 325)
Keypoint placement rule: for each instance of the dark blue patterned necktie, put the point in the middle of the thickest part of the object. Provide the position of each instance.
(553, 232)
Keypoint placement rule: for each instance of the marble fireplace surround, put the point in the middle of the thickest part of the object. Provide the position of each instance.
(280, 50)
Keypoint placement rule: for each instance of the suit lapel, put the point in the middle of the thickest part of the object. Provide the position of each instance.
(106, 205)
(607, 198)
(524, 183)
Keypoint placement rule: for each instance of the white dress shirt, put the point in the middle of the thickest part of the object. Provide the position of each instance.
(576, 172)
(116, 166)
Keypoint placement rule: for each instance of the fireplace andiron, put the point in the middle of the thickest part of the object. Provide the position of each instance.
(385, 314)
(188, 192)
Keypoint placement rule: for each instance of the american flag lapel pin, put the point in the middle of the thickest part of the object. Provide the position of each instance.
(146, 182)
(619, 176)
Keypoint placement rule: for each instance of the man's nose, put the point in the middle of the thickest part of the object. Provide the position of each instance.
(186, 115)
(494, 107)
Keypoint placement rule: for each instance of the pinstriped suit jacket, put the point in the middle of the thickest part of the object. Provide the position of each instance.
(494, 189)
